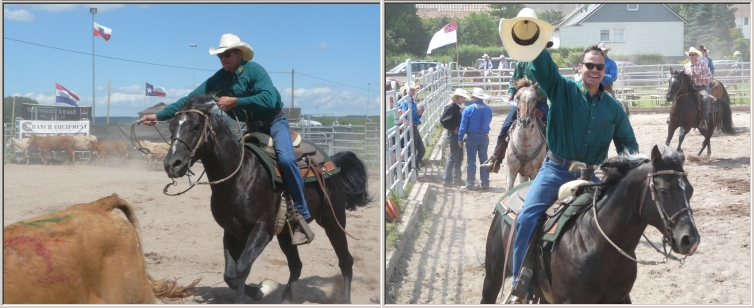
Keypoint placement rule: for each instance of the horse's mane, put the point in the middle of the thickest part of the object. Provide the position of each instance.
(617, 168)
(523, 82)
(206, 104)
(687, 79)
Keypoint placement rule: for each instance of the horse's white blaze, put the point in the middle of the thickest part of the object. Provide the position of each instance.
(268, 286)
(177, 132)
(682, 184)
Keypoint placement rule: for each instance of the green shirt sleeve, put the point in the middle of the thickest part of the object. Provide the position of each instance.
(262, 95)
(517, 74)
(170, 110)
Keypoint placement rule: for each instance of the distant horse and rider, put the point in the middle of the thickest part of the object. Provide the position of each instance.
(686, 110)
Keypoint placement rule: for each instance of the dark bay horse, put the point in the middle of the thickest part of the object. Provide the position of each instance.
(685, 114)
(246, 204)
(583, 267)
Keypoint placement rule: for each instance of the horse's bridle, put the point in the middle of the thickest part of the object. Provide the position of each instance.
(518, 121)
(207, 131)
(667, 234)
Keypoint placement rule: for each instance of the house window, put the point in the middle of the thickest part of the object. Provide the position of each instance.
(604, 35)
(618, 35)
(633, 7)
(746, 21)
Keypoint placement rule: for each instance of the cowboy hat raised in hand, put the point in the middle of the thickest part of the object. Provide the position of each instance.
(525, 36)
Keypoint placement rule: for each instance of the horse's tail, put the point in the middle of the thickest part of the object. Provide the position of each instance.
(727, 123)
(353, 179)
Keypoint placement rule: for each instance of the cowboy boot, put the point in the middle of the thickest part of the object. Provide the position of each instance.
(493, 163)
(302, 234)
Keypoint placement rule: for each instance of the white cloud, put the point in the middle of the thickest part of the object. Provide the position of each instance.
(322, 45)
(19, 15)
(53, 7)
(323, 100)
(283, 54)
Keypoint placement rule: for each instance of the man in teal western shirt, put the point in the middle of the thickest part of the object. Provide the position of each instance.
(582, 121)
(245, 85)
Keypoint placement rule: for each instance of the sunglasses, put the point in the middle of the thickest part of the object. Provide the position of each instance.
(226, 54)
(692, 55)
(591, 66)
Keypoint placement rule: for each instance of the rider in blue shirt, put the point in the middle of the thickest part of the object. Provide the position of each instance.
(416, 115)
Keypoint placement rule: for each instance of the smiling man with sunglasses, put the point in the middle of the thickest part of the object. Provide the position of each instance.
(243, 85)
(582, 121)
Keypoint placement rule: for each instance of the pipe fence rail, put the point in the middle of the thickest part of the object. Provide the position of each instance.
(636, 84)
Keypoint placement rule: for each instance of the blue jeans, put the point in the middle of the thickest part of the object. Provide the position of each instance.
(280, 133)
(512, 114)
(476, 145)
(453, 167)
(543, 192)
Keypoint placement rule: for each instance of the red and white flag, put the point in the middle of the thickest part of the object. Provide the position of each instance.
(155, 91)
(446, 35)
(102, 31)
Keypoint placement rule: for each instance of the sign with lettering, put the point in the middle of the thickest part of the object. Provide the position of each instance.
(52, 128)
(47, 112)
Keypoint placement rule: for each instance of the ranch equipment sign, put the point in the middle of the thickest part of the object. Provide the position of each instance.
(52, 128)
(47, 112)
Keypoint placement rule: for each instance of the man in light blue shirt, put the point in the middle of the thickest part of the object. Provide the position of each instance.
(475, 126)
(416, 113)
(611, 70)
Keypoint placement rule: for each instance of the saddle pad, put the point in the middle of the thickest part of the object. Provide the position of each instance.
(555, 217)
(306, 174)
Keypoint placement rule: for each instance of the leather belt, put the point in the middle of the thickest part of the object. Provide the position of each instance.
(268, 120)
(559, 160)
(470, 133)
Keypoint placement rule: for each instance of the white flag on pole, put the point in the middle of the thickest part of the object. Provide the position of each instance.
(446, 35)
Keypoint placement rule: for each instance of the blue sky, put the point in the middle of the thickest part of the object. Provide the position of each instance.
(335, 46)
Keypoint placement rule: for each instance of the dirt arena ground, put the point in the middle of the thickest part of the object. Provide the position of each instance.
(444, 264)
(181, 239)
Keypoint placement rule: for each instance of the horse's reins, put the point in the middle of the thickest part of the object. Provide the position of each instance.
(667, 232)
(207, 132)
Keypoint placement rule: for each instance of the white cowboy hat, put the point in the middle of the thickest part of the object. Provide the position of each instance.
(231, 41)
(604, 47)
(479, 93)
(460, 92)
(502, 56)
(409, 85)
(736, 53)
(485, 56)
(694, 50)
(525, 36)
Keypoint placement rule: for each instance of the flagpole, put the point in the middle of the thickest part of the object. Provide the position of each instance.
(93, 10)
(55, 117)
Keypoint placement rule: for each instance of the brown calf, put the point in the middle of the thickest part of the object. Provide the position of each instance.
(100, 150)
(47, 144)
(85, 254)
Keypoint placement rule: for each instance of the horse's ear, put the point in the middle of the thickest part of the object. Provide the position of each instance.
(535, 85)
(656, 155)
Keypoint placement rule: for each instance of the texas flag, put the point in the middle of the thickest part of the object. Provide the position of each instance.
(102, 31)
(62, 95)
(155, 91)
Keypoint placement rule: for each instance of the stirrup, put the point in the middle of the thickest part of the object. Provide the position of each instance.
(491, 165)
(303, 227)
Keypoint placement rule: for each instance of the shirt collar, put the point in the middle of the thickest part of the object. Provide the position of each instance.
(600, 93)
